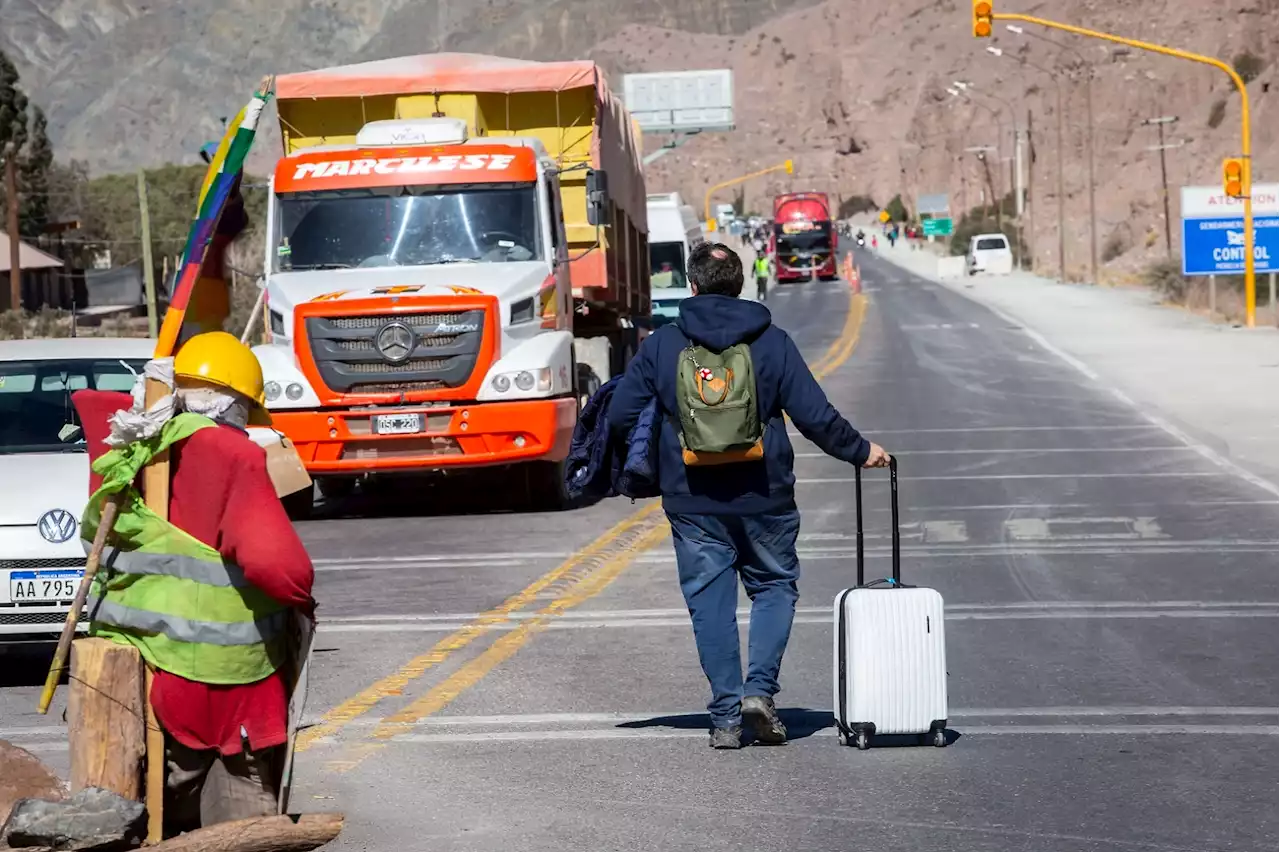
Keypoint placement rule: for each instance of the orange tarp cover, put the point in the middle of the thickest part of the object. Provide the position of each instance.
(442, 72)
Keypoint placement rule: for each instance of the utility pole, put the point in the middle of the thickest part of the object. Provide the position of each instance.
(1093, 209)
(148, 272)
(1062, 196)
(11, 201)
(1164, 178)
(1031, 202)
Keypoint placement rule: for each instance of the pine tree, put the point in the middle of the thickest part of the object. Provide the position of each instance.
(13, 106)
(34, 167)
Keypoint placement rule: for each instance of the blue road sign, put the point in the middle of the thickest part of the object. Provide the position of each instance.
(1213, 230)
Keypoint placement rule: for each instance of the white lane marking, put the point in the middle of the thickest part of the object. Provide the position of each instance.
(521, 556)
(1044, 529)
(932, 532)
(1008, 451)
(999, 476)
(1203, 449)
(935, 431)
(938, 326)
(659, 733)
(1004, 507)
(956, 715)
(631, 619)
(407, 564)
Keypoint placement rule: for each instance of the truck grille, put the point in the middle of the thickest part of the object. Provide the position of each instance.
(444, 350)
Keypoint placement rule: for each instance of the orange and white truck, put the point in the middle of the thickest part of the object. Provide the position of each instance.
(457, 253)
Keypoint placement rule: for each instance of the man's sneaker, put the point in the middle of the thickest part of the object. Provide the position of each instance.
(730, 737)
(759, 715)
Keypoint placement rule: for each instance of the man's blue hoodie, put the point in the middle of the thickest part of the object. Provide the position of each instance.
(783, 383)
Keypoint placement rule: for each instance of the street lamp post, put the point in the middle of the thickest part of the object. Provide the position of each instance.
(1062, 234)
(1087, 67)
(957, 93)
(1016, 181)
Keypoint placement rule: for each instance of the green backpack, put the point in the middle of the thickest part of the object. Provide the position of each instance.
(716, 397)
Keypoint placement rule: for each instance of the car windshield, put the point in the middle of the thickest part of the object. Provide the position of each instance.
(341, 230)
(665, 311)
(36, 414)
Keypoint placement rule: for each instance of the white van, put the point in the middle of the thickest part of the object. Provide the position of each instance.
(990, 253)
(674, 231)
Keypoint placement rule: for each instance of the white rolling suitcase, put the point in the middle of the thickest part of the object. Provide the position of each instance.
(890, 651)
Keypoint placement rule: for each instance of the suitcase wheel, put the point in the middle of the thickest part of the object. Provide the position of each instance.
(844, 737)
(940, 738)
(861, 741)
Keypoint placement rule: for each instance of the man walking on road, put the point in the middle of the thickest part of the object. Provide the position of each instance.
(762, 277)
(727, 479)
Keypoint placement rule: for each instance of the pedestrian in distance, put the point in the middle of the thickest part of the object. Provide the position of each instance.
(723, 376)
(762, 277)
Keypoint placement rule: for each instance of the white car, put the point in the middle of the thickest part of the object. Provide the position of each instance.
(44, 472)
(990, 253)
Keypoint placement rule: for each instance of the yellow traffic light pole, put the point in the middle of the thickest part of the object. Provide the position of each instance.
(983, 14)
(786, 166)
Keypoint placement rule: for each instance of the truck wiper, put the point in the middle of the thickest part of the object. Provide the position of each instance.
(307, 267)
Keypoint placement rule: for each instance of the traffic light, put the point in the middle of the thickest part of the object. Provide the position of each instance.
(1233, 177)
(982, 18)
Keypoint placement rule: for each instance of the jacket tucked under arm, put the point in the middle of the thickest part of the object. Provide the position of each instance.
(817, 419)
(634, 391)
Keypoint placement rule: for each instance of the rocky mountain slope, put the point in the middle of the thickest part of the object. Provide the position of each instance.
(853, 90)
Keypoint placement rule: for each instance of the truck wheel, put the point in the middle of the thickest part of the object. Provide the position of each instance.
(546, 488)
(300, 505)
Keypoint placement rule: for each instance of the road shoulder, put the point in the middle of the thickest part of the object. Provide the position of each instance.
(1214, 383)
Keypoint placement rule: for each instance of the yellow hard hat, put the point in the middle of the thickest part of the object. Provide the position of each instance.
(221, 359)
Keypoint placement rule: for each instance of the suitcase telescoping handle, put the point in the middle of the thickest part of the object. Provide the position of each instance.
(893, 516)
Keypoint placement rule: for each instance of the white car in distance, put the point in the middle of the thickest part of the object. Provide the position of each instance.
(44, 472)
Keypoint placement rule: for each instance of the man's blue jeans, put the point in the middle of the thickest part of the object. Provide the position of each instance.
(712, 551)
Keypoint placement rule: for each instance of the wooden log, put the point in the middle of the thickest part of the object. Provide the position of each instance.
(105, 714)
(155, 490)
(261, 834)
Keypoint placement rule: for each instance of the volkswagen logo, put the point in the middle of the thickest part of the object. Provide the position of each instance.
(395, 341)
(57, 526)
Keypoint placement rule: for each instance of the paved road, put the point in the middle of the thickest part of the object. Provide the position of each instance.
(489, 682)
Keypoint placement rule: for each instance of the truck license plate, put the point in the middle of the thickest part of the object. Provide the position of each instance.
(44, 586)
(397, 424)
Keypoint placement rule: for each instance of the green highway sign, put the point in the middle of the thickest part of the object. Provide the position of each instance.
(937, 227)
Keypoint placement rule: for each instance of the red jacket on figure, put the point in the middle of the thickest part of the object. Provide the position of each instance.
(221, 494)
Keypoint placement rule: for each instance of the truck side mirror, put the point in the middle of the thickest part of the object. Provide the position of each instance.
(597, 198)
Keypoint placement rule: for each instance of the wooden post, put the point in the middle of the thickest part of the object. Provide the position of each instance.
(155, 490)
(148, 270)
(11, 200)
(105, 717)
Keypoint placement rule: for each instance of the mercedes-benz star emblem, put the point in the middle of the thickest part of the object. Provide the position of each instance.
(57, 526)
(395, 341)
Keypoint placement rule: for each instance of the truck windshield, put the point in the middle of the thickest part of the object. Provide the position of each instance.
(36, 414)
(818, 239)
(349, 230)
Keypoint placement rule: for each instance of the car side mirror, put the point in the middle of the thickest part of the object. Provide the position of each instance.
(597, 198)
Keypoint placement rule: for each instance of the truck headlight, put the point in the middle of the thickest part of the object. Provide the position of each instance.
(524, 380)
(293, 391)
(271, 390)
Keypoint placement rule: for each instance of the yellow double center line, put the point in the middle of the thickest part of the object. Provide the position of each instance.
(579, 578)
